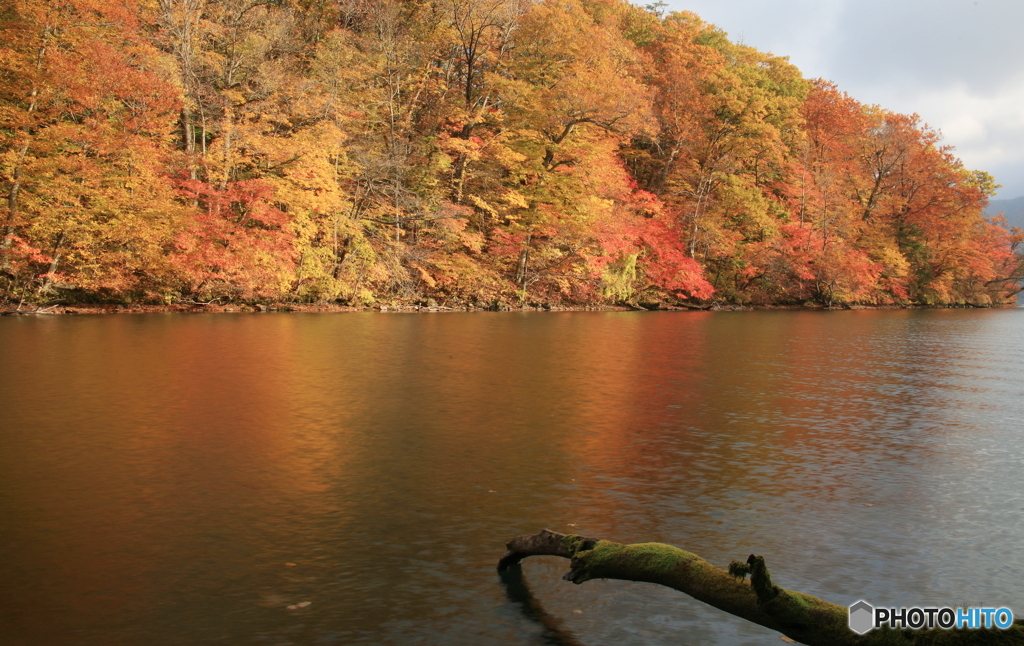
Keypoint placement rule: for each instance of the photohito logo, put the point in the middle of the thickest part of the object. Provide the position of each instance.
(864, 617)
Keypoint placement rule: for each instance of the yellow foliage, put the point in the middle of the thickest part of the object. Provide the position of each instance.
(479, 203)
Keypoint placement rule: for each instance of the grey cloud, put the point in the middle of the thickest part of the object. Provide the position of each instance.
(924, 44)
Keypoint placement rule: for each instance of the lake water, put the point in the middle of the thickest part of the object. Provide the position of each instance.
(326, 479)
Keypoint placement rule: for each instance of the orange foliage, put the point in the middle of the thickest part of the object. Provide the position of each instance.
(470, 151)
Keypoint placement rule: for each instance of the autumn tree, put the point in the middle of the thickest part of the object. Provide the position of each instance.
(89, 107)
(471, 151)
(728, 121)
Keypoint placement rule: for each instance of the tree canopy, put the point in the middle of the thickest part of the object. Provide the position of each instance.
(469, 151)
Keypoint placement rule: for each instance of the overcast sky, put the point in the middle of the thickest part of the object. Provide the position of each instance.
(957, 63)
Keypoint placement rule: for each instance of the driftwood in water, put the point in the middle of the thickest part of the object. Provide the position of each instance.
(801, 617)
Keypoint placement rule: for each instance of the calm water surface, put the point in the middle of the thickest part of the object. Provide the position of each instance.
(171, 479)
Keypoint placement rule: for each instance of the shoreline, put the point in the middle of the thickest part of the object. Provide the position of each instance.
(314, 308)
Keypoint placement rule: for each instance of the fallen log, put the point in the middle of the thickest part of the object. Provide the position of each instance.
(801, 617)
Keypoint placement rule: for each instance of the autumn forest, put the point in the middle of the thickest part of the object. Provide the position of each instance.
(467, 152)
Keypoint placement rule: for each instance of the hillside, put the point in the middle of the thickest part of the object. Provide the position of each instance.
(387, 152)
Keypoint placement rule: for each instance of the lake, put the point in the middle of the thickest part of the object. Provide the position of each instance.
(352, 478)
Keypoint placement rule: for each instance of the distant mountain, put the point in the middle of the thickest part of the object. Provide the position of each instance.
(1012, 209)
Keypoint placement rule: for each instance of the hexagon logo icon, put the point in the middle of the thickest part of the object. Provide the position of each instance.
(862, 616)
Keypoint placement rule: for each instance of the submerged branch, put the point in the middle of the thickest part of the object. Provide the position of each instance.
(803, 618)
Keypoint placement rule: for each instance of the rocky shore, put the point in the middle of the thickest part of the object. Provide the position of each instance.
(237, 308)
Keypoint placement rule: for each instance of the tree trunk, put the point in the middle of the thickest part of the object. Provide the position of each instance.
(801, 617)
(523, 264)
(45, 288)
(12, 210)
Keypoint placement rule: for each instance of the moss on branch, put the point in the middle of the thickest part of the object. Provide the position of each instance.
(802, 617)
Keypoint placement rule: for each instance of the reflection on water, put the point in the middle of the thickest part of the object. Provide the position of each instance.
(519, 594)
(197, 479)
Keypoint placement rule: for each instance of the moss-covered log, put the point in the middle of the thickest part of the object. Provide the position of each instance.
(801, 617)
